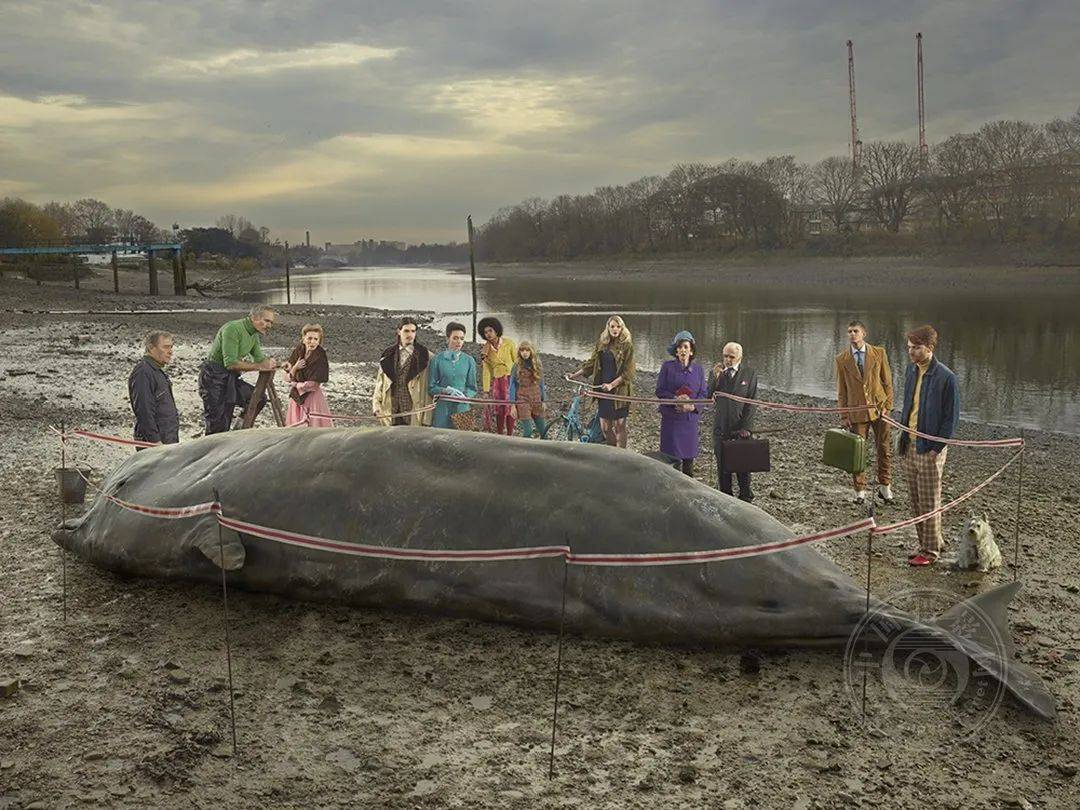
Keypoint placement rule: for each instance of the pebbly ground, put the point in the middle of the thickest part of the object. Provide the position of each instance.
(124, 703)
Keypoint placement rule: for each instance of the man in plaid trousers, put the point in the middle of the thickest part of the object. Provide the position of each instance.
(931, 406)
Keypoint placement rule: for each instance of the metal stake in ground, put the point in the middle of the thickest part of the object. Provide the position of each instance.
(558, 672)
(225, 613)
(63, 519)
(1019, 499)
(869, 563)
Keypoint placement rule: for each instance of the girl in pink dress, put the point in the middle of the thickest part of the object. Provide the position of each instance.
(305, 372)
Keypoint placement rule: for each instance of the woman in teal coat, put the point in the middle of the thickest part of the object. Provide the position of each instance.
(451, 372)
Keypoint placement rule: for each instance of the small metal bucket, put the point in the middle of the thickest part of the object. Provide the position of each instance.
(72, 485)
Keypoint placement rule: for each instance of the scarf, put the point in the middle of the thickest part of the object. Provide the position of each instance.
(316, 369)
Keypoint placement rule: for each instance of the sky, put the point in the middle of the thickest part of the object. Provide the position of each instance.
(396, 119)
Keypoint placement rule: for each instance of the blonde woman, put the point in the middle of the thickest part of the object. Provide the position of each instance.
(612, 369)
(527, 390)
(305, 372)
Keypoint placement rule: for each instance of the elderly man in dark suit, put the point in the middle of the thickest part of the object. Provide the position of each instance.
(732, 419)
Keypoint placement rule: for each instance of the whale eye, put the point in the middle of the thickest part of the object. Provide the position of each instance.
(771, 605)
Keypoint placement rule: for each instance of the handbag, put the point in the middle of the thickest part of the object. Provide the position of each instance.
(465, 420)
(745, 455)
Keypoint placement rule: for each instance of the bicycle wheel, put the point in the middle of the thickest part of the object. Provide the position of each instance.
(556, 430)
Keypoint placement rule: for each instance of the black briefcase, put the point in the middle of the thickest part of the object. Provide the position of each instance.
(745, 455)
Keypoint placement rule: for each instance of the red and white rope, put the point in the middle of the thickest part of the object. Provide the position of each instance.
(392, 552)
(892, 527)
(646, 400)
(713, 555)
(372, 417)
(1017, 442)
(779, 406)
(474, 400)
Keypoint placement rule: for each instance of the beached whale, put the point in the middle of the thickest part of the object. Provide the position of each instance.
(418, 488)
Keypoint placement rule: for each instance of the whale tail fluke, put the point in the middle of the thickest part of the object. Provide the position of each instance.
(979, 627)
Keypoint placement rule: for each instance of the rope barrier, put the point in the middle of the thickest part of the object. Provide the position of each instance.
(646, 400)
(779, 406)
(942, 509)
(713, 555)
(364, 417)
(1017, 442)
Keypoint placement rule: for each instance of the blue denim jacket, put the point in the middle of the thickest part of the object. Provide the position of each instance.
(939, 405)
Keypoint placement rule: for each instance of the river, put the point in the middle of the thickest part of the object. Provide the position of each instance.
(1017, 358)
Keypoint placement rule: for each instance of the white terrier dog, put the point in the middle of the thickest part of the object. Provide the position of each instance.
(975, 547)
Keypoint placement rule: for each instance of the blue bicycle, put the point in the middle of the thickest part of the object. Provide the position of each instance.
(567, 426)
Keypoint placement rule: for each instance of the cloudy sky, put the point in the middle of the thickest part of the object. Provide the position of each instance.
(395, 119)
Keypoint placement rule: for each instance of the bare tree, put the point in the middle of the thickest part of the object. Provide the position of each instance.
(889, 172)
(951, 186)
(230, 223)
(64, 216)
(95, 219)
(123, 221)
(144, 231)
(836, 189)
(1013, 155)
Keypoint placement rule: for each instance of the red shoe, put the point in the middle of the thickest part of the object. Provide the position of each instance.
(922, 559)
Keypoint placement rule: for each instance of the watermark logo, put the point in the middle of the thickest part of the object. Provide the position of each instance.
(906, 670)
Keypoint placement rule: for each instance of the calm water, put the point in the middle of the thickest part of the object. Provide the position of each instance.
(1018, 361)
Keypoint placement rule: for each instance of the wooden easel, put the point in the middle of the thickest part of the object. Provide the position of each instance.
(265, 384)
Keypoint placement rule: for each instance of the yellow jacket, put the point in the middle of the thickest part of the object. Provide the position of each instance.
(497, 362)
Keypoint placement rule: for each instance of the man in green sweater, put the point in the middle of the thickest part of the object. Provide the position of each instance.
(237, 348)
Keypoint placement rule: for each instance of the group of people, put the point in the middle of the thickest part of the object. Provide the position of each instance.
(408, 380)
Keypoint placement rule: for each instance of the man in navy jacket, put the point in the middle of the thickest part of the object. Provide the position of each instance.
(931, 406)
(150, 392)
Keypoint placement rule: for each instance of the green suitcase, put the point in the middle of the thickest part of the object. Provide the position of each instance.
(846, 451)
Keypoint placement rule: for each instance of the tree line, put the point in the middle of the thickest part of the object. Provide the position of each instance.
(85, 221)
(1009, 181)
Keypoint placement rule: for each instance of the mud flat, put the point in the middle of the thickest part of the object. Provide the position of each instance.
(124, 704)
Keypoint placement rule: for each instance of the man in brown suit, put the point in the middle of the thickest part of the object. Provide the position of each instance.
(863, 377)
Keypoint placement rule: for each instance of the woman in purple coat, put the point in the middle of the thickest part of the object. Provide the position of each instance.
(681, 378)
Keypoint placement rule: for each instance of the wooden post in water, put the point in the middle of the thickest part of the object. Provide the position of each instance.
(153, 272)
(183, 270)
(288, 283)
(75, 269)
(115, 274)
(472, 273)
(179, 288)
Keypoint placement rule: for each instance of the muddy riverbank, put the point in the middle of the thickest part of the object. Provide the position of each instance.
(124, 703)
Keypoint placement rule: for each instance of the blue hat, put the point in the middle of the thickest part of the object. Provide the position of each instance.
(681, 336)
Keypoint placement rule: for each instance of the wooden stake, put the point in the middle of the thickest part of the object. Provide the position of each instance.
(1019, 500)
(288, 283)
(179, 288)
(558, 672)
(472, 273)
(115, 274)
(225, 616)
(153, 272)
(75, 269)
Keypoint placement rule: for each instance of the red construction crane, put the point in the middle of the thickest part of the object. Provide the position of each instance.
(924, 151)
(856, 144)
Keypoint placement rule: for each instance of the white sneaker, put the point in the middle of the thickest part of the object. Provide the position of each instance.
(885, 493)
(860, 496)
